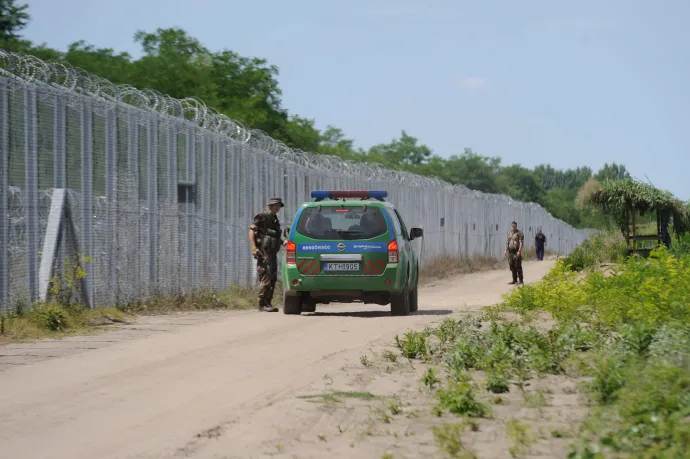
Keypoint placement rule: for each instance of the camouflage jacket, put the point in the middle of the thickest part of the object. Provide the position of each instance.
(266, 229)
(514, 239)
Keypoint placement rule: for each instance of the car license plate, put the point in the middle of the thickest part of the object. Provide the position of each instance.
(344, 267)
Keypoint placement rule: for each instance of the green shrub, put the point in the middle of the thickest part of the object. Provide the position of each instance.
(600, 248)
(681, 246)
(51, 317)
(633, 322)
(653, 291)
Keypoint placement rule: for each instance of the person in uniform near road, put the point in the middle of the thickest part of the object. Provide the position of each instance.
(540, 244)
(265, 240)
(514, 251)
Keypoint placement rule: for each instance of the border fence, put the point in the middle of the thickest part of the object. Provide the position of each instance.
(159, 192)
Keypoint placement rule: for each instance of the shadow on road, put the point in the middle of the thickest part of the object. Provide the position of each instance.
(383, 313)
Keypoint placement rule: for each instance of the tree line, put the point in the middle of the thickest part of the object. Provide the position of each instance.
(247, 89)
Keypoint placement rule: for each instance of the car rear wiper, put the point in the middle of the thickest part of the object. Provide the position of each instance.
(349, 234)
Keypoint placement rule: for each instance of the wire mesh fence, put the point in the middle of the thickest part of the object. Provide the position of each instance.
(162, 191)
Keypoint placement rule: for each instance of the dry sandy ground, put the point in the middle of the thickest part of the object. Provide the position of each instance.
(229, 385)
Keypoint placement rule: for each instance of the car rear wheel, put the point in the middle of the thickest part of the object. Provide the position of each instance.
(400, 303)
(414, 300)
(309, 306)
(292, 304)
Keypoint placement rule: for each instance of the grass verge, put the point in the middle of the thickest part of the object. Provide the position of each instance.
(624, 336)
(55, 320)
(446, 266)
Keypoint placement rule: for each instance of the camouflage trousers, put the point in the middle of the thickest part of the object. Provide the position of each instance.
(267, 272)
(515, 264)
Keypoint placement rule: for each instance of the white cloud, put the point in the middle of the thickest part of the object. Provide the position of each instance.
(473, 83)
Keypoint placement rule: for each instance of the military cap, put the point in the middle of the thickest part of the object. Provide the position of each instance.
(276, 200)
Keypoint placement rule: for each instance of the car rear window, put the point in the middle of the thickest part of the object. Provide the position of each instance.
(350, 223)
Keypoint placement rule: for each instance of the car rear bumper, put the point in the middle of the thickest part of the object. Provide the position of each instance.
(389, 281)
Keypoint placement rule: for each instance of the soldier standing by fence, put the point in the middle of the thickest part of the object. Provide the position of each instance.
(514, 251)
(540, 244)
(264, 237)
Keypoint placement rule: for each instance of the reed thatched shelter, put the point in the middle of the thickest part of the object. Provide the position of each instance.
(626, 199)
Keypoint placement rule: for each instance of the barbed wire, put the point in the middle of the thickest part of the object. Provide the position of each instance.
(60, 75)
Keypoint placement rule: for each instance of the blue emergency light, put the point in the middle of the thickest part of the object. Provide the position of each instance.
(320, 195)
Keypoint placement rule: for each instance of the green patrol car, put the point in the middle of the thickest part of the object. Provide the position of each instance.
(350, 246)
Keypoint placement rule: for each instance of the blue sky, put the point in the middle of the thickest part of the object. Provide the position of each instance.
(566, 83)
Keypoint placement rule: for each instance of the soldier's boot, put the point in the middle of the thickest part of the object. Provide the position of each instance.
(268, 298)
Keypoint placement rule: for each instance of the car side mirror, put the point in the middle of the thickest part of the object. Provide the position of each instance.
(416, 232)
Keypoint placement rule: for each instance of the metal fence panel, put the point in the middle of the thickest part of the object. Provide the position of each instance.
(163, 191)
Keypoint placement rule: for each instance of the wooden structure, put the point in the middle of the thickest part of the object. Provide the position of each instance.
(632, 237)
(625, 199)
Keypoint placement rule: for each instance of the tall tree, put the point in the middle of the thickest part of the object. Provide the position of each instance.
(403, 152)
(473, 170)
(520, 183)
(612, 171)
(13, 19)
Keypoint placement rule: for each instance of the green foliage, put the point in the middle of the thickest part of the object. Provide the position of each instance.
(13, 18)
(412, 345)
(521, 435)
(652, 291)
(65, 285)
(681, 246)
(634, 322)
(460, 398)
(448, 437)
(626, 330)
(51, 317)
(430, 380)
(597, 249)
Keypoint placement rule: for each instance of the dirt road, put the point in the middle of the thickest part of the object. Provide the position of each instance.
(221, 387)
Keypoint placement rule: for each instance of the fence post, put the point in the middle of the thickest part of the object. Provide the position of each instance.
(237, 222)
(4, 197)
(172, 276)
(87, 215)
(111, 203)
(221, 193)
(191, 209)
(60, 157)
(152, 197)
(133, 258)
(205, 204)
(31, 188)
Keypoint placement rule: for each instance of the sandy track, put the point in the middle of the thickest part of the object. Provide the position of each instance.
(211, 388)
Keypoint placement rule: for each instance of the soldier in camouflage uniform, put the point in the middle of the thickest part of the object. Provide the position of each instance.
(514, 251)
(264, 237)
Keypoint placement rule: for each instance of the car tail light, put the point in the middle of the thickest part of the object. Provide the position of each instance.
(291, 257)
(393, 252)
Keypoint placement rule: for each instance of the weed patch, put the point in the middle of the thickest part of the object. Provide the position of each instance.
(600, 248)
(66, 317)
(629, 334)
(623, 334)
